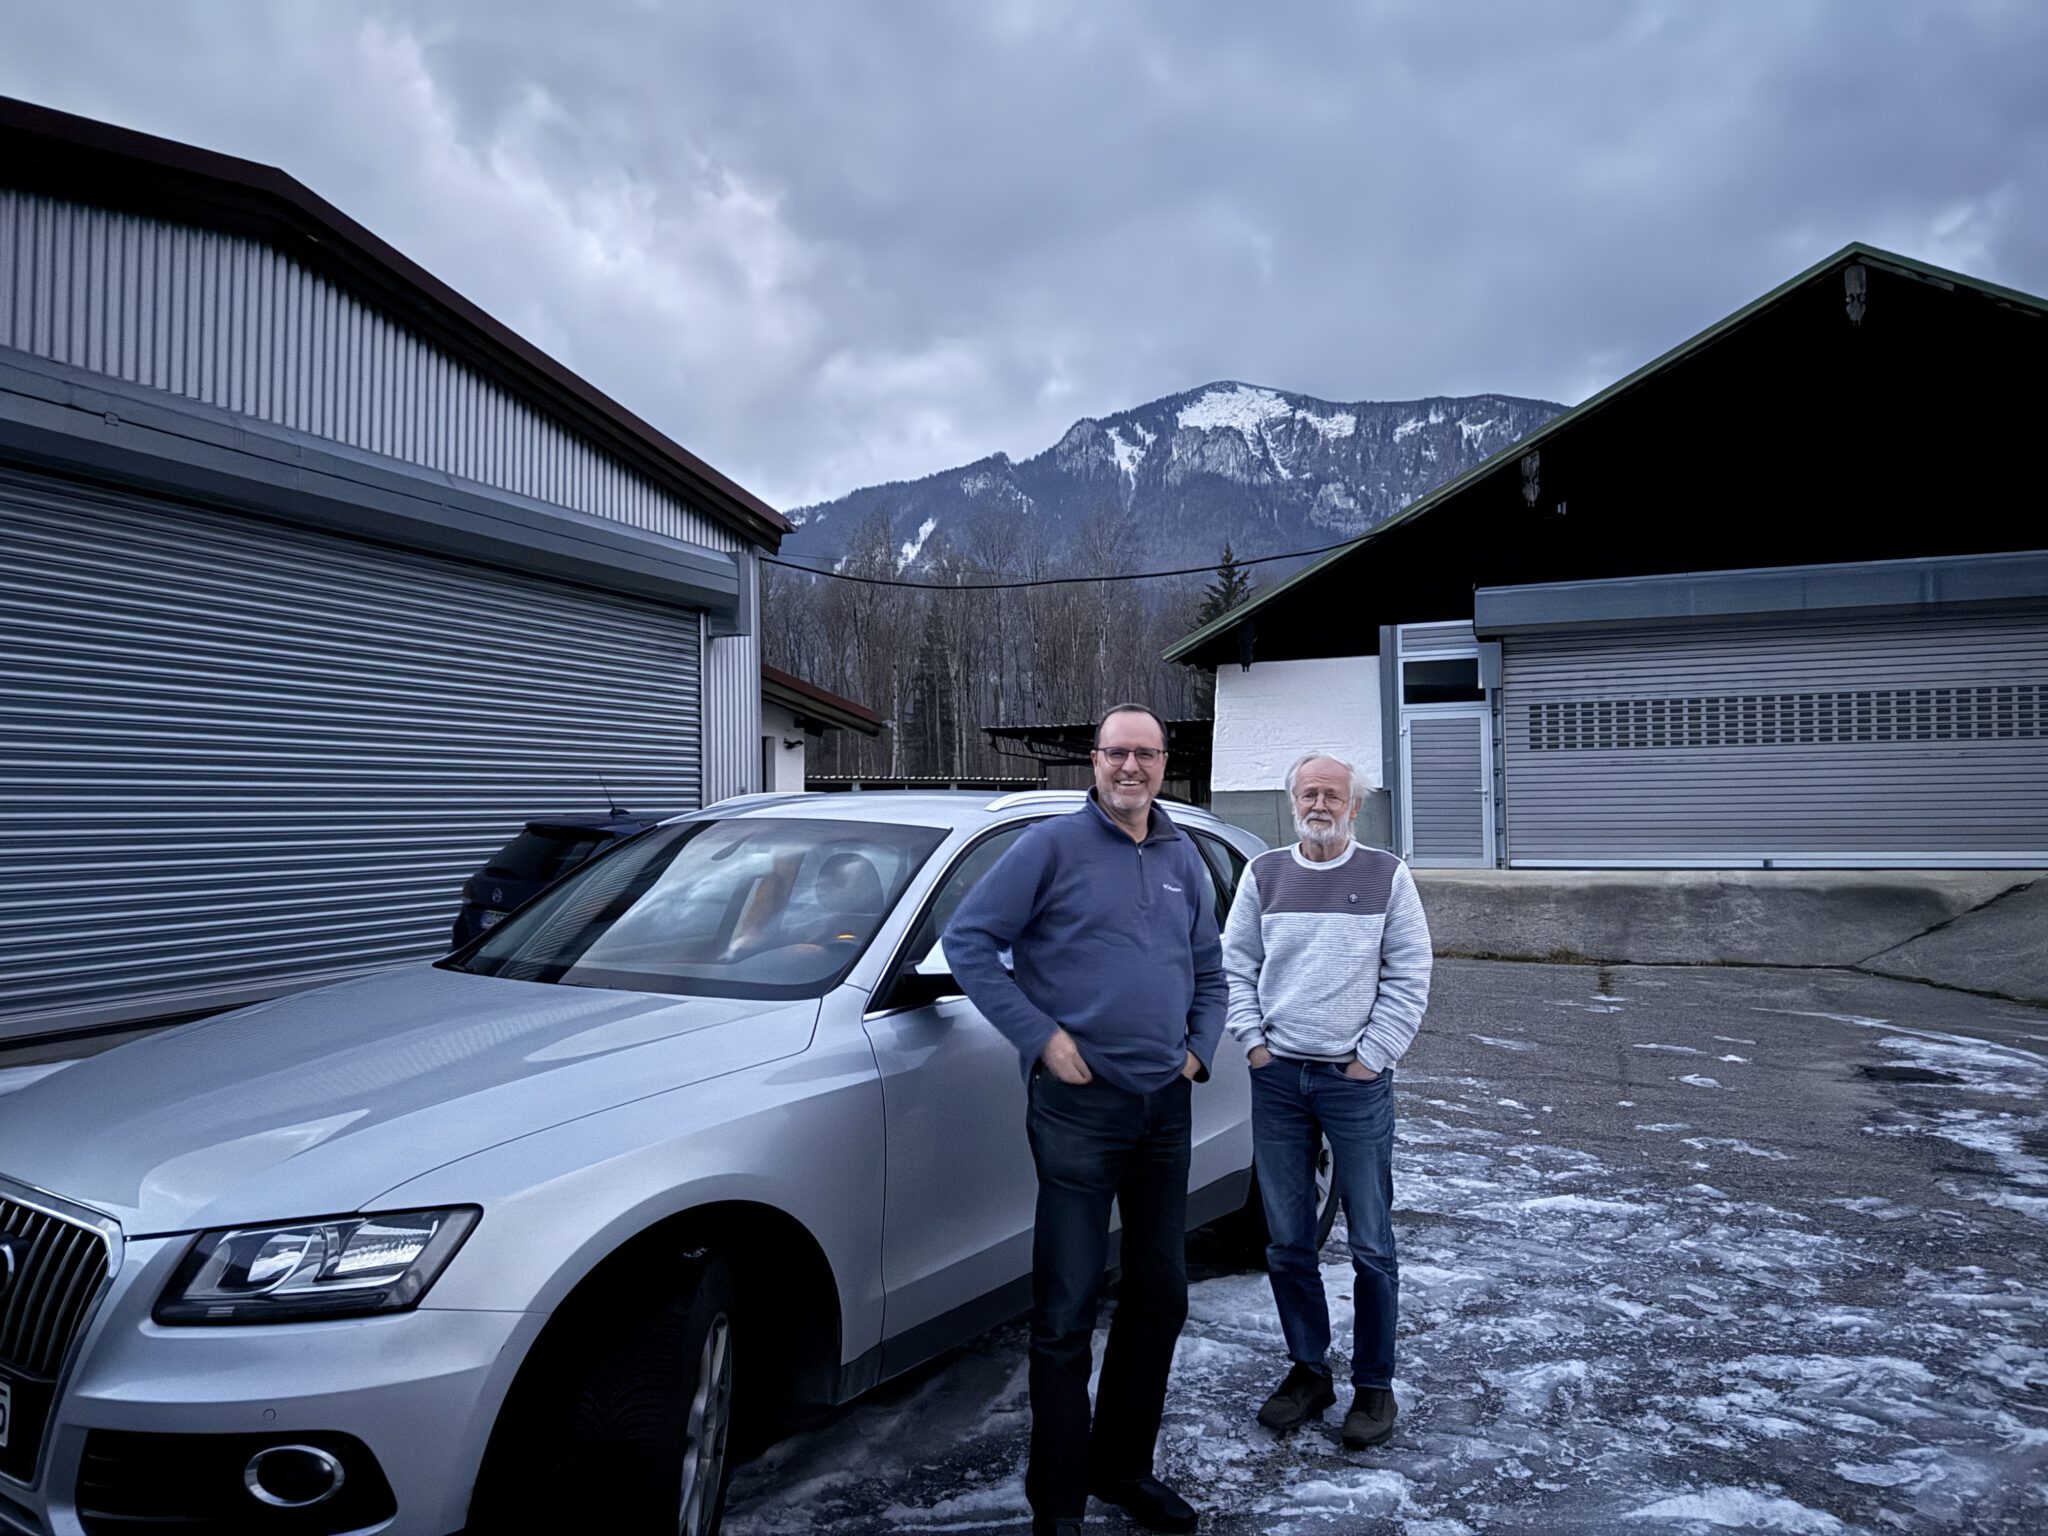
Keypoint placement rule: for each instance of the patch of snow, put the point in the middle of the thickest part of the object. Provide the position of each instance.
(908, 552)
(1734, 1144)
(1740, 1061)
(1670, 1125)
(1682, 1050)
(1583, 1205)
(1408, 428)
(1475, 431)
(1743, 1509)
(1699, 1081)
(1341, 425)
(1506, 1045)
(1240, 409)
(1734, 1040)
(1128, 455)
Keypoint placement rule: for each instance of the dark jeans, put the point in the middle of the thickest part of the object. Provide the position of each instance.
(1094, 1144)
(1293, 1103)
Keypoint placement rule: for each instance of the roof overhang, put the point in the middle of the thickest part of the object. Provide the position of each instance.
(81, 425)
(1869, 586)
(1776, 430)
(79, 159)
(815, 708)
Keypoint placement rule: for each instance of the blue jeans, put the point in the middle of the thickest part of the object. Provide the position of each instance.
(1294, 1103)
(1094, 1144)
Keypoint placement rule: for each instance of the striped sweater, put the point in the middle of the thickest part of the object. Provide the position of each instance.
(1327, 961)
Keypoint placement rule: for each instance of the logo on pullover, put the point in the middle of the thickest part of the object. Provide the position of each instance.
(1168, 885)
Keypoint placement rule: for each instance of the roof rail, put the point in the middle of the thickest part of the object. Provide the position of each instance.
(1033, 797)
(759, 799)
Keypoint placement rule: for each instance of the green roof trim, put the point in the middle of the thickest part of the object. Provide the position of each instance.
(1854, 251)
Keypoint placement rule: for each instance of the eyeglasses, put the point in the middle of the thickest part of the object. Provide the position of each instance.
(1146, 756)
(1321, 797)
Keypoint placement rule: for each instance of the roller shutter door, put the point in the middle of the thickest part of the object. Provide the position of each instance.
(234, 755)
(1905, 740)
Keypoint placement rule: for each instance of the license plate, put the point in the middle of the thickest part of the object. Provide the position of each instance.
(490, 919)
(6, 1411)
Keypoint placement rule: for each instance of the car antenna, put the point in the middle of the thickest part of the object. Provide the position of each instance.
(613, 805)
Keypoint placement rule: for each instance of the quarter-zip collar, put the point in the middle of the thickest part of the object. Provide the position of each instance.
(1159, 827)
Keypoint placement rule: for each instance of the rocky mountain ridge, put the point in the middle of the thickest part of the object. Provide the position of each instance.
(1266, 470)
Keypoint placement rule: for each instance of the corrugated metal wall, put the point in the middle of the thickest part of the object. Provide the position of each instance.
(1909, 739)
(235, 754)
(235, 324)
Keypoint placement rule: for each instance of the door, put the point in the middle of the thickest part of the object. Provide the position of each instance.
(1446, 773)
(961, 1191)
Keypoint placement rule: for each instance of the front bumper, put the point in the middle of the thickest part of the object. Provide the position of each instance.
(419, 1389)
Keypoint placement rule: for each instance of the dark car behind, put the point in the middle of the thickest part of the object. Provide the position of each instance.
(541, 853)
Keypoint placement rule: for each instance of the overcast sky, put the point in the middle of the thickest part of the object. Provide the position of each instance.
(829, 244)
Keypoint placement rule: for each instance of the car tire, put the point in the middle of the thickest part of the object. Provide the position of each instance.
(1247, 1227)
(637, 1436)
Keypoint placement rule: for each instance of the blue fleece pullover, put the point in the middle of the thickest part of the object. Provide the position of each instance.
(1115, 940)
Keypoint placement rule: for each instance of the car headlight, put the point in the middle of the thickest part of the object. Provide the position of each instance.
(338, 1267)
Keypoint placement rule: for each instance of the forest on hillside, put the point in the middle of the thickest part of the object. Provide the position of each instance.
(940, 664)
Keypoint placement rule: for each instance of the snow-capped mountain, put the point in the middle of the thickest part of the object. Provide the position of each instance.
(1262, 468)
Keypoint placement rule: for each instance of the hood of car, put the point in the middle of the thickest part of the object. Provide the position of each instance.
(314, 1104)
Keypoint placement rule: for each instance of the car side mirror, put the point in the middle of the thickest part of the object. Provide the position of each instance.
(920, 989)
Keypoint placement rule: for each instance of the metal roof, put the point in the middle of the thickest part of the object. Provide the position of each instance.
(80, 159)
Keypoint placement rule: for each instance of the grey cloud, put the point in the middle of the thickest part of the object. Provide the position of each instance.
(827, 245)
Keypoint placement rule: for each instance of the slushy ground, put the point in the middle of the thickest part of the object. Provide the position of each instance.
(1683, 1250)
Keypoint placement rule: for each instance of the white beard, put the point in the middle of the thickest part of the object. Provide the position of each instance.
(1330, 837)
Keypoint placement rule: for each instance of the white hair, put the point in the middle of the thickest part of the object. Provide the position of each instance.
(1350, 773)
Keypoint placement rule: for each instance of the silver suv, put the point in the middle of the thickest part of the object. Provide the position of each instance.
(704, 1134)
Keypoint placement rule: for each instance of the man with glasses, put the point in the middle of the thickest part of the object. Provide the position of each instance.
(1116, 1009)
(1328, 960)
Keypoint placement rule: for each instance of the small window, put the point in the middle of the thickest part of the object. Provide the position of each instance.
(1442, 680)
(543, 853)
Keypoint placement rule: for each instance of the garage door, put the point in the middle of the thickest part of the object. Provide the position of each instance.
(234, 755)
(1911, 740)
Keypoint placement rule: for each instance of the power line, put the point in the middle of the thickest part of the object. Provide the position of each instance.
(1043, 581)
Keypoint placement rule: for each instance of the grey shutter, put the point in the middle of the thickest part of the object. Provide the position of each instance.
(234, 755)
(1446, 789)
(1911, 739)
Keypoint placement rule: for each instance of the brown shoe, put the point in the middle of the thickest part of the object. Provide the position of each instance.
(1371, 1418)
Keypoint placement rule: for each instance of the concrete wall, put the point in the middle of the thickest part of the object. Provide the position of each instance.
(778, 725)
(1271, 715)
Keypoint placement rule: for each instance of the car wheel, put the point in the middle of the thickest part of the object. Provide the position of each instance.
(1248, 1225)
(636, 1438)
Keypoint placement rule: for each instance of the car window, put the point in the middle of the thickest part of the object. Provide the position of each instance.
(1226, 867)
(927, 951)
(543, 855)
(742, 907)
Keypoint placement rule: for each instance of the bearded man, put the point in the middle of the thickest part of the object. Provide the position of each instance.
(1327, 958)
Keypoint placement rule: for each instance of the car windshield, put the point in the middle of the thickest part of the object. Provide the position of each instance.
(729, 908)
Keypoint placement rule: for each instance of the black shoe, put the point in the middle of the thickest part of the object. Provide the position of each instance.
(1048, 1525)
(1301, 1397)
(1149, 1502)
(1371, 1418)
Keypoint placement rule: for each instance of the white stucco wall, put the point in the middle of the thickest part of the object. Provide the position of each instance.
(1269, 716)
(779, 725)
